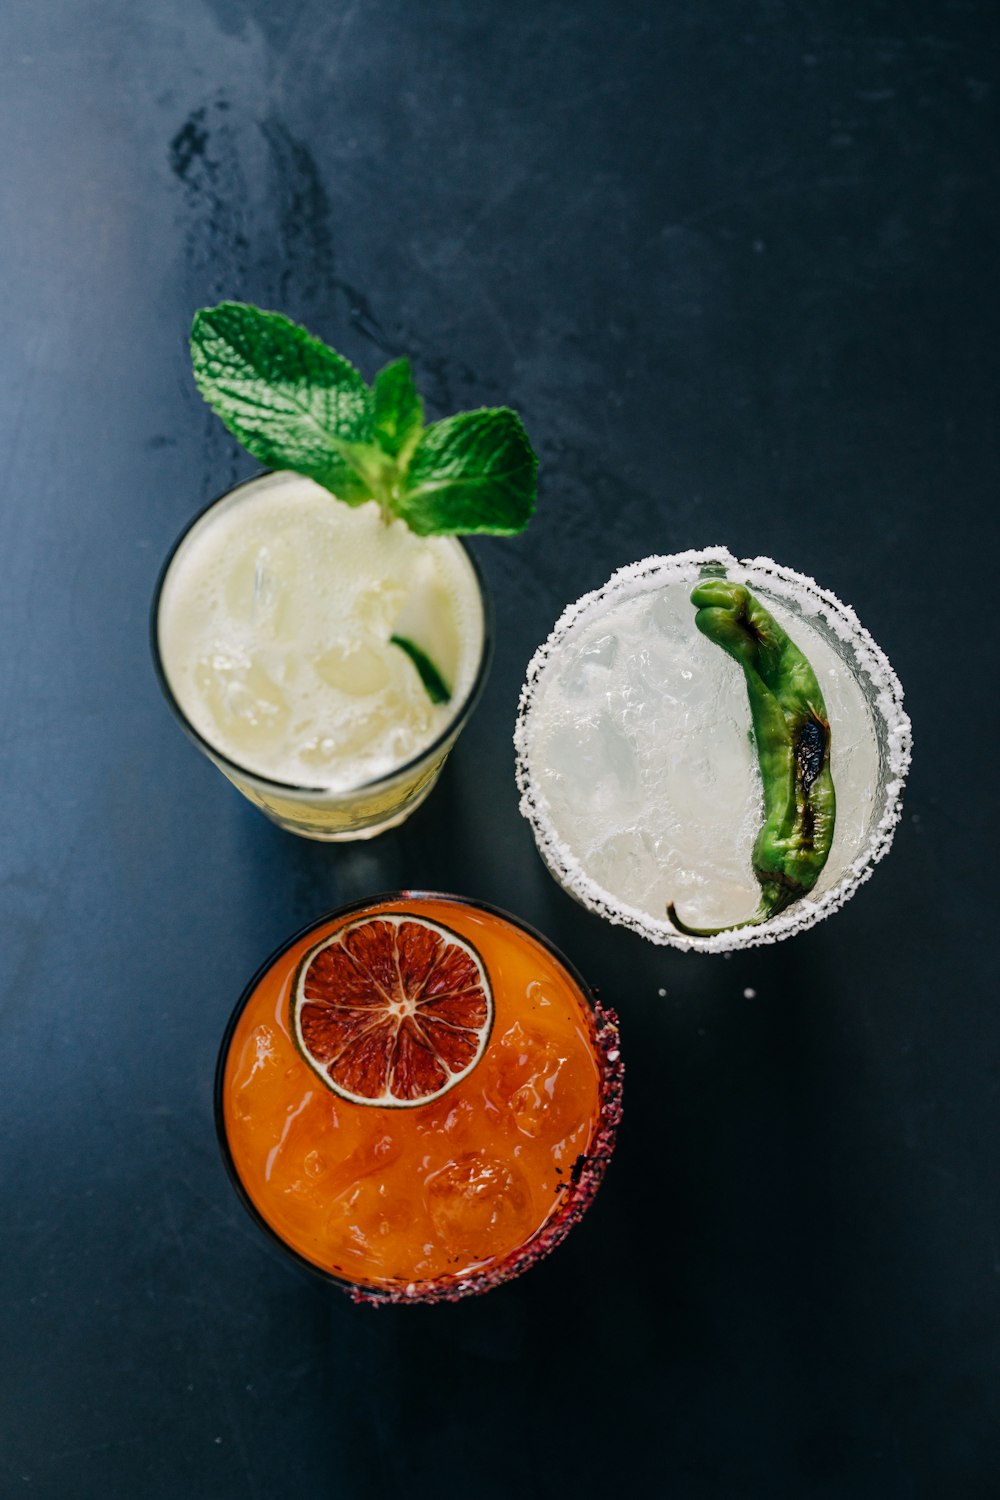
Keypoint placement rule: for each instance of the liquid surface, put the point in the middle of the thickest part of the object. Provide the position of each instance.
(639, 743)
(274, 630)
(381, 1196)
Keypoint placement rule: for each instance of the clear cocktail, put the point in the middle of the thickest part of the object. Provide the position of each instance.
(276, 630)
(416, 1097)
(637, 762)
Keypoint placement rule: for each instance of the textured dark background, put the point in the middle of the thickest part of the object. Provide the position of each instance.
(736, 265)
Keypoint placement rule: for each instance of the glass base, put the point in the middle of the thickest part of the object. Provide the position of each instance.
(352, 835)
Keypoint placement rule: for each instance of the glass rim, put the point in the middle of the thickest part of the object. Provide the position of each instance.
(868, 663)
(453, 726)
(568, 1212)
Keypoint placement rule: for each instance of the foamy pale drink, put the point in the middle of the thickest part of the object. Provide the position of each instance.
(636, 756)
(275, 629)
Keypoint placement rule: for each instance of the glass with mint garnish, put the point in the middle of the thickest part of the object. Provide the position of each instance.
(322, 631)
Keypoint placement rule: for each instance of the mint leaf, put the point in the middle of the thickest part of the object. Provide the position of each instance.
(399, 411)
(294, 403)
(434, 684)
(290, 399)
(473, 472)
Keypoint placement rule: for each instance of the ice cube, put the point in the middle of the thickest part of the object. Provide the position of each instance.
(537, 1088)
(257, 1065)
(304, 1151)
(355, 667)
(366, 1214)
(671, 613)
(349, 736)
(308, 1161)
(512, 1053)
(245, 702)
(552, 1099)
(373, 1155)
(587, 670)
(376, 607)
(479, 1205)
(260, 584)
(452, 1119)
(560, 752)
(626, 864)
(614, 754)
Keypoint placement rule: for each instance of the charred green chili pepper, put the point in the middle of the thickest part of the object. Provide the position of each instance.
(792, 735)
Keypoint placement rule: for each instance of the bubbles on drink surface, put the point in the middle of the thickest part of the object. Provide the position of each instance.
(637, 745)
(275, 625)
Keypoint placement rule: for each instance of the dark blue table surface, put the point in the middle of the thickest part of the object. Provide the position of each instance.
(736, 265)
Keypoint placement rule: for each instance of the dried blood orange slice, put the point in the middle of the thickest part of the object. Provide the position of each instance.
(392, 1010)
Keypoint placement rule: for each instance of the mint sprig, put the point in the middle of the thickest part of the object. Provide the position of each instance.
(294, 403)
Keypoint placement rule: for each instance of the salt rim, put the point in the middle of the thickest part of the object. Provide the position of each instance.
(885, 699)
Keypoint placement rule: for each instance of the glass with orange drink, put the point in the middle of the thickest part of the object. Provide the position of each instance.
(417, 1097)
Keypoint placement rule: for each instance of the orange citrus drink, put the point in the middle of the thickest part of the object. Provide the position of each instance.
(417, 1097)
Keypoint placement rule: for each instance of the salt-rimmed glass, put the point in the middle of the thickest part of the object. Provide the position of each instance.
(865, 830)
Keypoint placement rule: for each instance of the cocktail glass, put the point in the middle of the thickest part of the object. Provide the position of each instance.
(307, 681)
(636, 765)
(432, 1201)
